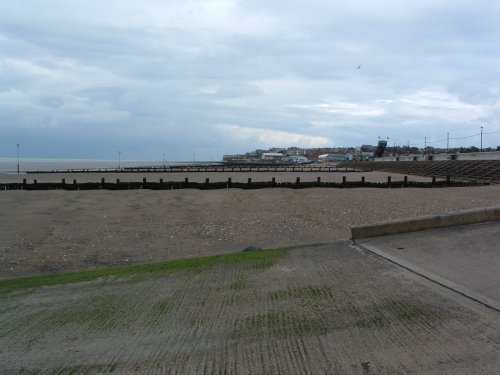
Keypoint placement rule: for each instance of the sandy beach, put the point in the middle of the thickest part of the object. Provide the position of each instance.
(56, 231)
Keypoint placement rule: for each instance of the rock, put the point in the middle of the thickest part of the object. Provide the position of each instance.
(253, 248)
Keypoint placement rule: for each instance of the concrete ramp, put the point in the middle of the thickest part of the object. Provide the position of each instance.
(464, 258)
(426, 222)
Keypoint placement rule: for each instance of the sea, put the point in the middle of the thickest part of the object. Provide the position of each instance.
(9, 165)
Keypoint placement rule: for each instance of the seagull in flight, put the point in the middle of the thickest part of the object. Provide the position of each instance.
(359, 67)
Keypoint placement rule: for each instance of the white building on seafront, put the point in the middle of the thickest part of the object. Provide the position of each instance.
(272, 156)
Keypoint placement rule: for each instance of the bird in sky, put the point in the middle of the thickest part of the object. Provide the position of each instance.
(359, 67)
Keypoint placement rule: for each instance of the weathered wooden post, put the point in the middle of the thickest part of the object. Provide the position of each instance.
(319, 180)
(344, 180)
(118, 181)
(433, 180)
(406, 180)
(102, 182)
(363, 179)
(186, 182)
(448, 180)
(63, 181)
(207, 181)
(74, 182)
(388, 180)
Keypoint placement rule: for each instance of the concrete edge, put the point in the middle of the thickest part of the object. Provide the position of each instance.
(426, 222)
(475, 296)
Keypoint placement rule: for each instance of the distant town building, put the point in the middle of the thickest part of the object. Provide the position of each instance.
(295, 151)
(297, 159)
(272, 156)
(277, 150)
(332, 158)
(367, 148)
(363, 152)
(233, 157)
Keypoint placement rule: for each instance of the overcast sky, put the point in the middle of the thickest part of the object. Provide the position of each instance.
(86, 78)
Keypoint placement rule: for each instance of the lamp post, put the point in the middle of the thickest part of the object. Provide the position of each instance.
(481, 139)
(447, 142)
(119, 159)
(18, 158)
(163, 160)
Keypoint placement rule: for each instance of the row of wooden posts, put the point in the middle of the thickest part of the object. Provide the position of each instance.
(198, 169)
(162, 185)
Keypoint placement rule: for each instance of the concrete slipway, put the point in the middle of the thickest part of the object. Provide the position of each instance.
(330, 309)
(464, 258)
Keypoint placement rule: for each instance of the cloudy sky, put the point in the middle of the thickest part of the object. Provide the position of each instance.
(86, 78)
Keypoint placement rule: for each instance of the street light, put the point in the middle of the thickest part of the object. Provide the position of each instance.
(481, 139)
(119, 159)
(17, 158)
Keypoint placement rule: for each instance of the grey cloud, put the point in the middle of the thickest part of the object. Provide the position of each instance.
(168, 73)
